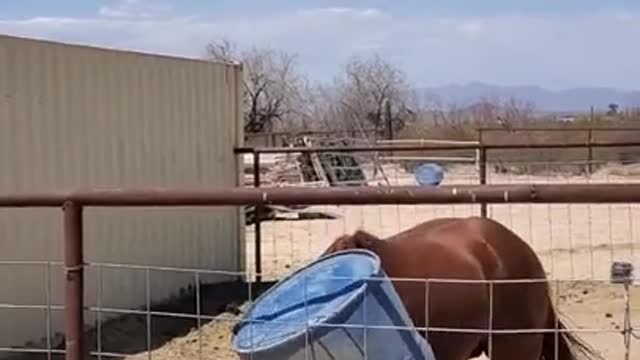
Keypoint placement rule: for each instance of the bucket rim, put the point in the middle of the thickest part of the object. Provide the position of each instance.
(377, 270)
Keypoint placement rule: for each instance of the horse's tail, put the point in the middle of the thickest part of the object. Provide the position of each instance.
(569, 346)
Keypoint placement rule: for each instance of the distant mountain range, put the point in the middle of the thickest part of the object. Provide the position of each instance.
(570, 100)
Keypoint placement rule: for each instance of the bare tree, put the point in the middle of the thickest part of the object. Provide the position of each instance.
(490, 111)
(373, 91)
(274, 89)
(451, 114)
(517, 112)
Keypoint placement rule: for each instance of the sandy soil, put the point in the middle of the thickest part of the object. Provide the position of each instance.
(573, 241)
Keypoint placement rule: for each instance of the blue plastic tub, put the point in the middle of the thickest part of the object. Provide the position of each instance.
(347, 299)
(429, 174)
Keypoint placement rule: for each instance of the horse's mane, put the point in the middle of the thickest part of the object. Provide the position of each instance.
(358, 240)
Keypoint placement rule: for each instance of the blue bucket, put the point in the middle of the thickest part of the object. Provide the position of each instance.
(429, 174)
(352, 310)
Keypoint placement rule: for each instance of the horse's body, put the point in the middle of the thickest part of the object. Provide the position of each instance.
(472, 249)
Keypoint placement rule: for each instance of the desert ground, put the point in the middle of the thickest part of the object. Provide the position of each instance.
(576, 243)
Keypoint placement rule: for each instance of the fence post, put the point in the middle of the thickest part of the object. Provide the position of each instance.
(483, 177)
(74, 282)
(482, 167)
(257, 219)
(590, 151)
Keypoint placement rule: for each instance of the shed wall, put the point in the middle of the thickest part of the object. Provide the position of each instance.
(79, 117)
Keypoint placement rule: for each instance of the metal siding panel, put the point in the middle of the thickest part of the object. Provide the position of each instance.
(240, 227)
(212, 161)
(204, 138)
(83, 117)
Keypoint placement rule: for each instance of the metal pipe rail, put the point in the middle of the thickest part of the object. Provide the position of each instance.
(431, 147)
(557, 129)
(458, 194)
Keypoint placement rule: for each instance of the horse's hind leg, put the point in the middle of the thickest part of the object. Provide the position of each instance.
(515, 346)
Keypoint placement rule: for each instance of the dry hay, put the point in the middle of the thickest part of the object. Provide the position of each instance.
(211, 342)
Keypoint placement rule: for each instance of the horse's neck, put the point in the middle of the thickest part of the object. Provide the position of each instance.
(384, 248)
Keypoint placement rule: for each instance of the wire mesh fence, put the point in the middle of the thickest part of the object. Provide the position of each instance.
(116, 332)
(577, 244)
(41, 307)
(198, 324)
(575, 241)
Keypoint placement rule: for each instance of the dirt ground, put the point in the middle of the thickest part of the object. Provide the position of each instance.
(575, 242)
(591, 307)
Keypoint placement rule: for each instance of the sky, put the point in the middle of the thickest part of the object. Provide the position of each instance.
(556, 44)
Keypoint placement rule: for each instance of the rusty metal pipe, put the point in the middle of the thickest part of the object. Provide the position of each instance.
(36, 199)
(583, 193)
(463, 194)
(74, 282)
(557, 129)
(303, 196)
(483, 178)
(306, 132)
(258, 220)
(429, 147)
(600, 194)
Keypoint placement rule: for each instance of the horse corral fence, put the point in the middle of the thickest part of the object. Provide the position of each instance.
(523, 218)
(75, 267)
(576, 242)
(475, 159)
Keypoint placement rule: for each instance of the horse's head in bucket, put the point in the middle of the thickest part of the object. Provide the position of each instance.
(358, 240)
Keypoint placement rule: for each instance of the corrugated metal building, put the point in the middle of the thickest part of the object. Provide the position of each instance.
(78, 117)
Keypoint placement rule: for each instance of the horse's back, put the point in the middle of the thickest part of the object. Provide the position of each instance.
(502, 252)
(517, 258)
(452, 248)
(437, 248)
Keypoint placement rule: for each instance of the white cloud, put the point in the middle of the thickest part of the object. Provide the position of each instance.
(556, 51)
(472, 27)
(134, 9)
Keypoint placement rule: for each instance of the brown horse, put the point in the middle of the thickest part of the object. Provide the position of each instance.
(476, 249)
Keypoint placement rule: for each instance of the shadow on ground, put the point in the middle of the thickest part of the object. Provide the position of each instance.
(129, 335)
